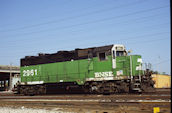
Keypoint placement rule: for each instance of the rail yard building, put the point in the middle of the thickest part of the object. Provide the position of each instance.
(9, 76)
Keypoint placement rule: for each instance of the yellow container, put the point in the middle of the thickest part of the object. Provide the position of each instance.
(162, 81)
(156, 110)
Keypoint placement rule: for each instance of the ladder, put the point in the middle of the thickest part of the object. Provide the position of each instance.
(136, 84)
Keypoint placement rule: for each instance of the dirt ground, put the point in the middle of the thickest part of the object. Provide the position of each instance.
(82, 108)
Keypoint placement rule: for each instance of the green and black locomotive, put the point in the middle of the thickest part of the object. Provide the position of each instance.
(106, 69)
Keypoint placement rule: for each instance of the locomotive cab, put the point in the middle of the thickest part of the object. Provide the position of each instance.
(124, 64)
(117, 50)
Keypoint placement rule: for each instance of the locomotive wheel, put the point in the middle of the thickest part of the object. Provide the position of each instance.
(93, 89)
(116, 90)
(125, 88)
(147, 88)
(101, 90)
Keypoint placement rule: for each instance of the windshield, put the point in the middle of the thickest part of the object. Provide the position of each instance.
(120, 53)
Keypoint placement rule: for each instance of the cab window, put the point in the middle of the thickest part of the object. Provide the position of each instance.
(119, 53)
(102, 56)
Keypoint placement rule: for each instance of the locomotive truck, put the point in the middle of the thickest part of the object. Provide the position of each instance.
(103, 70)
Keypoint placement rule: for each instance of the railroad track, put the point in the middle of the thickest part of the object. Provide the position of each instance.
(89, 98)
(102, 103)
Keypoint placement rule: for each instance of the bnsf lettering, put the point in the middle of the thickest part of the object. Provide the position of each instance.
(103, 74)
(31, 72)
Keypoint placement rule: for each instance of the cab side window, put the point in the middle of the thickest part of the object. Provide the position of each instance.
(102, 56)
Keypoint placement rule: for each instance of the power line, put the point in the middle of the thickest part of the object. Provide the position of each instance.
(150, 41)
(154, 34)
(143, 42)
(162, 62)
(124, 22)
(129, 38)
(73, 17)
(92, 22)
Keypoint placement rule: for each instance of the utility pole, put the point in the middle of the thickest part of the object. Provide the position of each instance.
(10, 88)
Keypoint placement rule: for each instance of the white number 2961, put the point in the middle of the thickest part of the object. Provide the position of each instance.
(31, 72)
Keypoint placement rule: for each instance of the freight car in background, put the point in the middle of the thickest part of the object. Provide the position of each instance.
(106, 69)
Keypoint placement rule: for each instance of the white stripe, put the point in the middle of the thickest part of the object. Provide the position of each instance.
(35, 82)
(100, 79)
